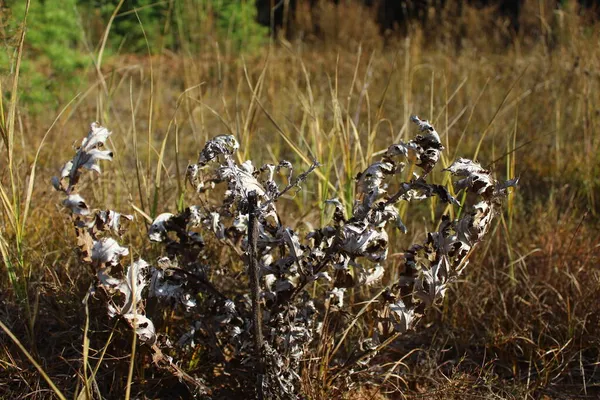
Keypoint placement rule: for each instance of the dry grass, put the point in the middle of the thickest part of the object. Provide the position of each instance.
(524, 322)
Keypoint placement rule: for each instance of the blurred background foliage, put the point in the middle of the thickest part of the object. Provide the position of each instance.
(64, 35)
(55, 46)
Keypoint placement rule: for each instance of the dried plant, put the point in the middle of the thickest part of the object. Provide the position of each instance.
(295, 307)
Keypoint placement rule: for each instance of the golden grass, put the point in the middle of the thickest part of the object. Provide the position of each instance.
(522, 324)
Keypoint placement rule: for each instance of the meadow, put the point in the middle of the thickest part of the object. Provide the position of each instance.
(521, 322)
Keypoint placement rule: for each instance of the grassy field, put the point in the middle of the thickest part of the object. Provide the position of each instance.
(522, 323)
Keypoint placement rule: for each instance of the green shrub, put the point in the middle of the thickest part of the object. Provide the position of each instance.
(56, 50)
(233, 22)
(237, 20)
(126, 33)
(52, 50)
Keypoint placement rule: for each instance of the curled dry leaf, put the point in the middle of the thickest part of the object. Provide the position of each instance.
(131, 286)
(372, 276)
(426, 147)
(337, 296)
(76, 204)
(158, 230)
(111, 220)
(108, 251)
(219, 146)
(86, 156)
(402, 317)
(362, 240)
(465, 167)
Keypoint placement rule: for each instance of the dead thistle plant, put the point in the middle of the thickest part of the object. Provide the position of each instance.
(296, 307)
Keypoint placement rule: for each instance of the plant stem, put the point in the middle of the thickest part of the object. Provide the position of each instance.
(255, 287)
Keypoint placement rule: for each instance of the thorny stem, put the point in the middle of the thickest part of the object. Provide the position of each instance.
(254, 285)
(163, 361)
(296, 183)
(324, 262)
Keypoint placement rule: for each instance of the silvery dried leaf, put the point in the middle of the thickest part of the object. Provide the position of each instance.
(215, 225)
(359, 239)
(501, 188)
(96, 136)
(477, 182)
(188, 301)
(465, 167)
(195, 216)
(337, 295)
(220, 145)
(143, 327)
(107, 281)
(229, 306)
(425, 148)
(288, 283)
(89, 154)
(240, 223)
(111, 220)
(374, 275)
(324, 275)
(436, 278)
(163, 287)
(133, 285)
(90, 159)
(396, 150)
(76, 204)
(370, 186)
(403, 316)
(248, 166)
(64, 172)
(293, 243)
(481, 219)
(425, 126)
(158, 231)
(371, 179)
(108, 251)
(471, 228)
(192, 175)
(269, 281)
(244, 182)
